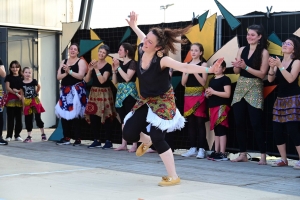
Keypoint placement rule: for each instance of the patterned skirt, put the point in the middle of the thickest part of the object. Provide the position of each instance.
(162, 112)
(219, 115)
(124, 90)
(72, 101)
(194, 102)
(251, 89)
(32, 106)
(287, 109)
(100, 103)
(13, 101)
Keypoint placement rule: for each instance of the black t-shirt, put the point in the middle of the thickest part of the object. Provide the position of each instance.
(96, 82)
(1, 63)
(218, 85)
(15, 82)
(29, 89)
(192, 81)
(129, 65)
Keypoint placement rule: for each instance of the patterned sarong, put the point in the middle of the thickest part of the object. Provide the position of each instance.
(124, 90)
(219, 115)
(194, 102)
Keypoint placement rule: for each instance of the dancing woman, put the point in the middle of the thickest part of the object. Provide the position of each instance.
(157, 104)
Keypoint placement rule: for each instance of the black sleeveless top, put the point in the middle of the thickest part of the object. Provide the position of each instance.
(286, 89)
(130, 65)
(249, 62)
(70, 80)
(154, 81)
(192, 81)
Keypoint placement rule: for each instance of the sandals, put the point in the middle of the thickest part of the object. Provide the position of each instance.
(169, 181)
(142, 149)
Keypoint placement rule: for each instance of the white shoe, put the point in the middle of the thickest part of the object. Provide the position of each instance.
(201, 153)
(8, 139)
(19, 139)
(191, 152)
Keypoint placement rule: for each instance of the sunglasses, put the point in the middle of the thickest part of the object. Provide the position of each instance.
(287, 44)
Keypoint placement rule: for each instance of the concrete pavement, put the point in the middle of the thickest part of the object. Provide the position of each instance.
(43, 170)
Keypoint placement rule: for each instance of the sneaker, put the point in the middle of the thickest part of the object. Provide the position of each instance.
(3, 142)
(220, 157)
(8, 139)
(201, 153)
(95, 144)
(63, 141)
(44, 137)
(191, 152)
(211, 156)
(107, 145)
(77, 142)
(18, 139)
(28, 140)
(297, 165)
(280, 163)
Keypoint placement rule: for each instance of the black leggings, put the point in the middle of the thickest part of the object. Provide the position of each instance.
(96, 127)
(196, 126)
(256, 119)
(29, 121)
(14, 113)
(137, 123)
(71, 125)
(220, 130)
(292, 129)
(128, 104)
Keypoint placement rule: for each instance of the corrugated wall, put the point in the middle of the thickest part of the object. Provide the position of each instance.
(47, 14)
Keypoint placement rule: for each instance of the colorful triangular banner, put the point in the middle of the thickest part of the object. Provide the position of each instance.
(87, 45)
(126, 35)
(231, 20)
(297, 32)
(68, 31)
(202, 19)
(275, 39)
(268, 90)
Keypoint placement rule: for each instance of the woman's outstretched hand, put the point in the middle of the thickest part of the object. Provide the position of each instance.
(217, 64)
(132, 22)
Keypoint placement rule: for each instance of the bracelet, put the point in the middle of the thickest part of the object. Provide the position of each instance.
(246, 68)
(282, 68)
(271, 74)
(70, 72)
(206, 70)
(98, 74)
(118, 68)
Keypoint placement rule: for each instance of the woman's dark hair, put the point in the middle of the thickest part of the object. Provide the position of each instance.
(17, 64)
(75, 44)
(129, 49)
(105, 47)
(296, 54)
(262, 44)
(200, 48)
(166, 38)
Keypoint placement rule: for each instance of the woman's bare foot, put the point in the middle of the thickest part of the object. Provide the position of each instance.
(132, 149)
(263, 160)
(121, 148)
(241, 158)
(151, 151)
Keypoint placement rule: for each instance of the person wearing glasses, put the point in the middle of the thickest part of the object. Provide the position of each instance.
(14, 106)
(286, 109)
(252, 65)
